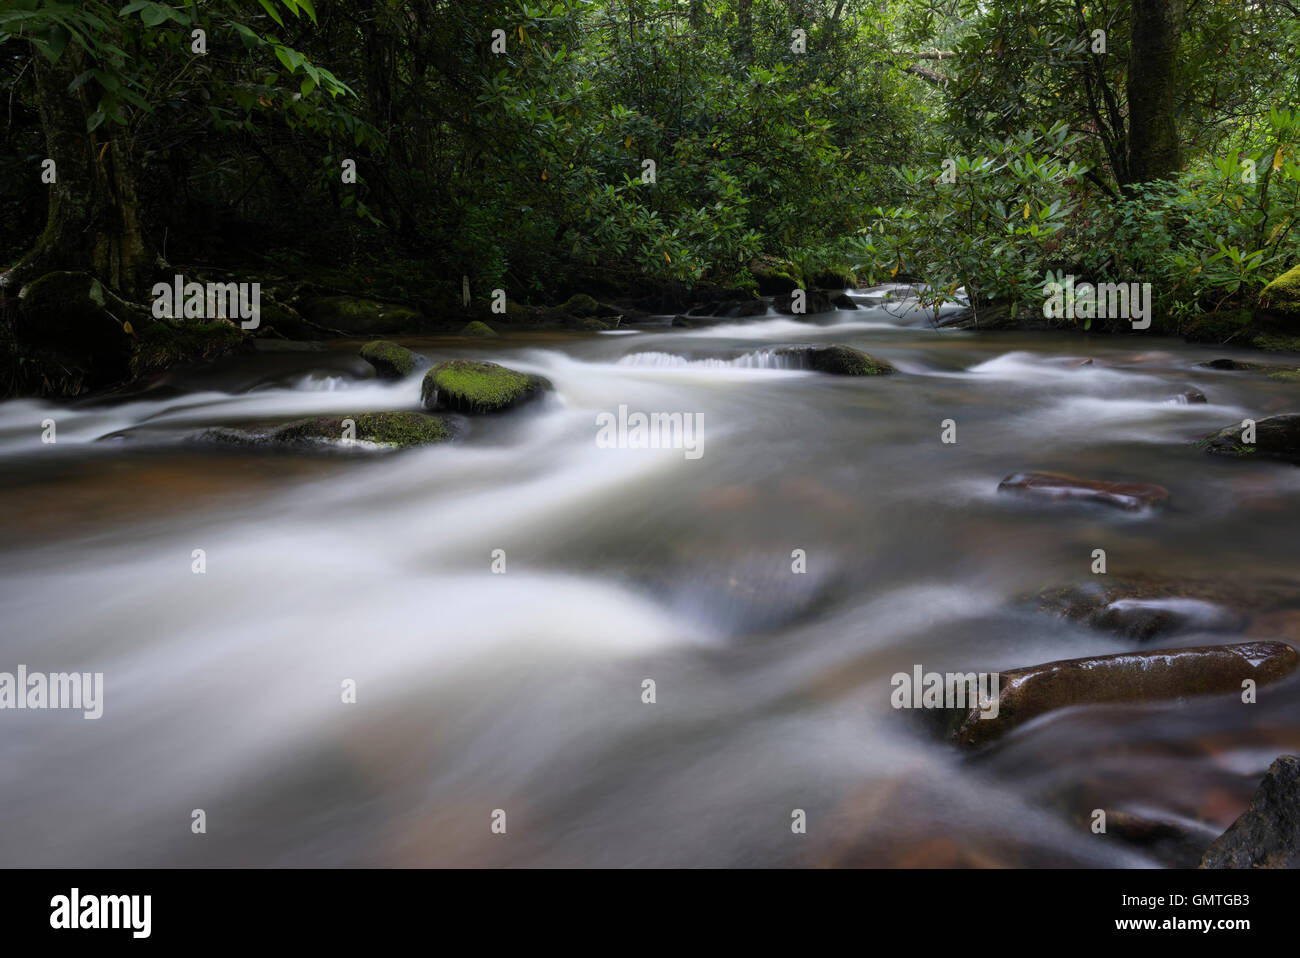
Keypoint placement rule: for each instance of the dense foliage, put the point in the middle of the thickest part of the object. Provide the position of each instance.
(553, 146)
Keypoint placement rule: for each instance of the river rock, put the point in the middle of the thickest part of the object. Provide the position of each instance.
(1280, 300)
(1145, 607)
(815, 301)
(1234, 364)
(477, 387)
(1163, 675)
(393, 429)
(478, 328)
(1190, 397)
(1267, 835)
(836, 360)
(773, 276)
(1058, 487)
(390, 360)
(1276, 437)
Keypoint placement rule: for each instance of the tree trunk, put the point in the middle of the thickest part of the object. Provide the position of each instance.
(93, 219)
(745, 27)
(1153, 147)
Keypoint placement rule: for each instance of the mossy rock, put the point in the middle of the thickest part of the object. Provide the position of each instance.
(161, 345)
(397, 430)
(1286, 375)
(479, 329)
(772, 275)
(354, 315)
(1277, 437)
(591, 325)
(583, 306)
(815, 301)
(477, 387)
(285, 321)
(390, 360)
(837, 278)
(836, 360)
(1281, 298)
(385, 428)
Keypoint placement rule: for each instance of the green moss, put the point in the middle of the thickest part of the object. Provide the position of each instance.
(1283, 294)
(390, 360)
(837, 277)
(1276, 437)
(591, 324)
(478, 328)
(388, 428)
(476, 387)
(402, 428)
(581, 305)
(1286, 375)
(1274, 343)
(772, 275)
(160, 345)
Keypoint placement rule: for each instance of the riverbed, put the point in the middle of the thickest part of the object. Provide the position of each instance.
(500, 603)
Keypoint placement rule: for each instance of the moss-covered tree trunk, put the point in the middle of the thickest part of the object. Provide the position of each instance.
(93, 220)
(1153, 148)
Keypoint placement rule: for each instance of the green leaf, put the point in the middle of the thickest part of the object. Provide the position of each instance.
(274, 14)
(154, 14)
(80, 80)
(94, 120)
(55, 42)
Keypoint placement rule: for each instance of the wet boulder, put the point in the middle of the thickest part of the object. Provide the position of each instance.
(1158, 676)
(1279, 301)
(1141, 607)
(477, 387)
(835, 360)
(774, 276)
(479, 329)
(835, 278)
(1058, 487)
(396, 430)
(1277, 437)
(390, 360)
(1267, 835)
(814, 301)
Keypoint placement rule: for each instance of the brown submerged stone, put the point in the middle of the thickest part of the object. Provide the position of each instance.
(1058, 487)
(1127, 677)
(1143, 606)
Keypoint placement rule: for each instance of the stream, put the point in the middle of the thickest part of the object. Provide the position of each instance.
(522, 690)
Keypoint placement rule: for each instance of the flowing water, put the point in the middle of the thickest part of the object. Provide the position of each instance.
(522, 691)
